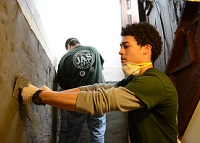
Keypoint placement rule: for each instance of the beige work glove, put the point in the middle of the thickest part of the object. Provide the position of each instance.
(27, 93)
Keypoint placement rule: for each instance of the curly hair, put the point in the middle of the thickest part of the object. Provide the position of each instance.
(145, 33)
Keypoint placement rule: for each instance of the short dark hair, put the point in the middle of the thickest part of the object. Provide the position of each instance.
(71, 41)
(144, 33)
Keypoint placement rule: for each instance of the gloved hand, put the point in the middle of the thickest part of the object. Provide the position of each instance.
(27, 93)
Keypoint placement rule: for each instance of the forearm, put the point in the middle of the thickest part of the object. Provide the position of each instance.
(64, 100)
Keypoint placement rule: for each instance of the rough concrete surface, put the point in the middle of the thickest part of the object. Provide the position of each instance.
(21, 53)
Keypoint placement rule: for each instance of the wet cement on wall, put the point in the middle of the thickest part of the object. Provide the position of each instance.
(21, 53)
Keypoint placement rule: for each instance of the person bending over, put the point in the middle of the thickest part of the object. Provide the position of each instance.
(81, 65)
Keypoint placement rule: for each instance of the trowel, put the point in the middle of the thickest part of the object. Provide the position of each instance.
(20, 82)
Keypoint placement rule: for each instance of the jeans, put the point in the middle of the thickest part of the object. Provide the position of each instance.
(72, 123)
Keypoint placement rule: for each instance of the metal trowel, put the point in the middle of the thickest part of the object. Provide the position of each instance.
(20, 82)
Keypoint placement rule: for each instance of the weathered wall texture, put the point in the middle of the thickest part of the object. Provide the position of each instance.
(21, 53)
(184, 64)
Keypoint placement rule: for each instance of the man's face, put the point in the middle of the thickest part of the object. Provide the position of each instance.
(130, 51)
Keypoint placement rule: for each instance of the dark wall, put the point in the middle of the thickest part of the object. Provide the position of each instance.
(21, 53)
(184, 63)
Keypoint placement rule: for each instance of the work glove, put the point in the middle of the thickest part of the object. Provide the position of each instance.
(27, 93)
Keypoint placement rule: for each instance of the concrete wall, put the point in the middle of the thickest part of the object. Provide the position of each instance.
(22, 53)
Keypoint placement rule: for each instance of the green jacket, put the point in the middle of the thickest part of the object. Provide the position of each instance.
(82, 65)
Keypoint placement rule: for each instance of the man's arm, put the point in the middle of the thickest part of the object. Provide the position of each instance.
(97, 101)
(67, 99)
(64, 99)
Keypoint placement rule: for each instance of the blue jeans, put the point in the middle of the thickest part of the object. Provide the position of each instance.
(72, 123)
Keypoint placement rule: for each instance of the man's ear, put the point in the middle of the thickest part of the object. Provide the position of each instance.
(146, 49)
